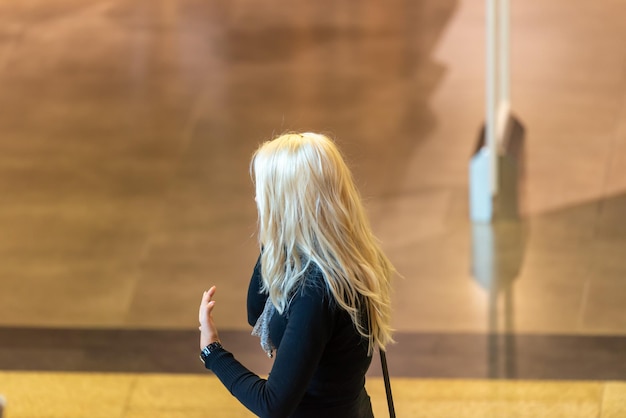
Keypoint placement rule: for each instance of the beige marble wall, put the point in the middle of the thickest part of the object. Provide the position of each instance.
(126, 129)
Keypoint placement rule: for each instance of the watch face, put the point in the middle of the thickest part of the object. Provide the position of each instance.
(204, 353)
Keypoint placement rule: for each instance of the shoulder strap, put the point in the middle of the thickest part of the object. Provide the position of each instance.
(383, 363)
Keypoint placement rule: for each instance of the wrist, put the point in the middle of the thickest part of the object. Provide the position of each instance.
(208, 336)
(208, 350)
(204, 341)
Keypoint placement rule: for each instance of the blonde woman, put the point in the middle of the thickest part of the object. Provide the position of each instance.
(319, 294)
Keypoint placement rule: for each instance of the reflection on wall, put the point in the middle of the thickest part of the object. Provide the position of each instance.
(497, 256)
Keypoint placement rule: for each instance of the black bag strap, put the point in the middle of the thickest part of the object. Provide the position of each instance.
(383, 363)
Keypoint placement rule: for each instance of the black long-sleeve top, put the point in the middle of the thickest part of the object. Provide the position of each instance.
(320, 364)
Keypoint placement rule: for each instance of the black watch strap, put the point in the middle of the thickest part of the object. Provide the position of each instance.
(206, 351)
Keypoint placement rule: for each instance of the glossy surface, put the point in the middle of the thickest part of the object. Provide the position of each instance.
(126, 130)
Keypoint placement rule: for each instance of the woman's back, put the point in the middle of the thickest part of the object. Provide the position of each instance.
(314, 330)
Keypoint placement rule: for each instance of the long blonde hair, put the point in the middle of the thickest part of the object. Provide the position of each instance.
(311, 212)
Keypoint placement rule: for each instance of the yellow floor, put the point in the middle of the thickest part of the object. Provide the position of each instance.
(73, 395)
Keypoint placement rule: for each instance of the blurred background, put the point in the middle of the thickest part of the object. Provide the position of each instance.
(126, 131)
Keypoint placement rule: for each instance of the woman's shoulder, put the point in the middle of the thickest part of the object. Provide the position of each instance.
(313, 285)
(313, 279)
(311, 297)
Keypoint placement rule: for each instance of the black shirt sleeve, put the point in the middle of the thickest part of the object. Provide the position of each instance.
(308, 330)
(256, 300)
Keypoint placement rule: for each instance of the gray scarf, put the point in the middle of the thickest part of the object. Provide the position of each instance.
(262, 328)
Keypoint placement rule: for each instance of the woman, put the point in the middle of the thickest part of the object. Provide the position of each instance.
(319, 294)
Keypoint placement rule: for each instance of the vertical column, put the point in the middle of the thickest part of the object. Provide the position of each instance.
(503, 54)
(502, 75)
(491, 92)
(484, 165)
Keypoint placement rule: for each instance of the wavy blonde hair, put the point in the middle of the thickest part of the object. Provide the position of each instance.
(311, 212)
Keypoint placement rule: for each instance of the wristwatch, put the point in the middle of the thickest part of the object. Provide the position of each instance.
(206, 351)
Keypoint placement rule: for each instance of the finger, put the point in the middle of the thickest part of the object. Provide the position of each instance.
(208, 313)
(206, 309)
(206, 296)
(206, 305)
(209, 308)
(203, 305)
